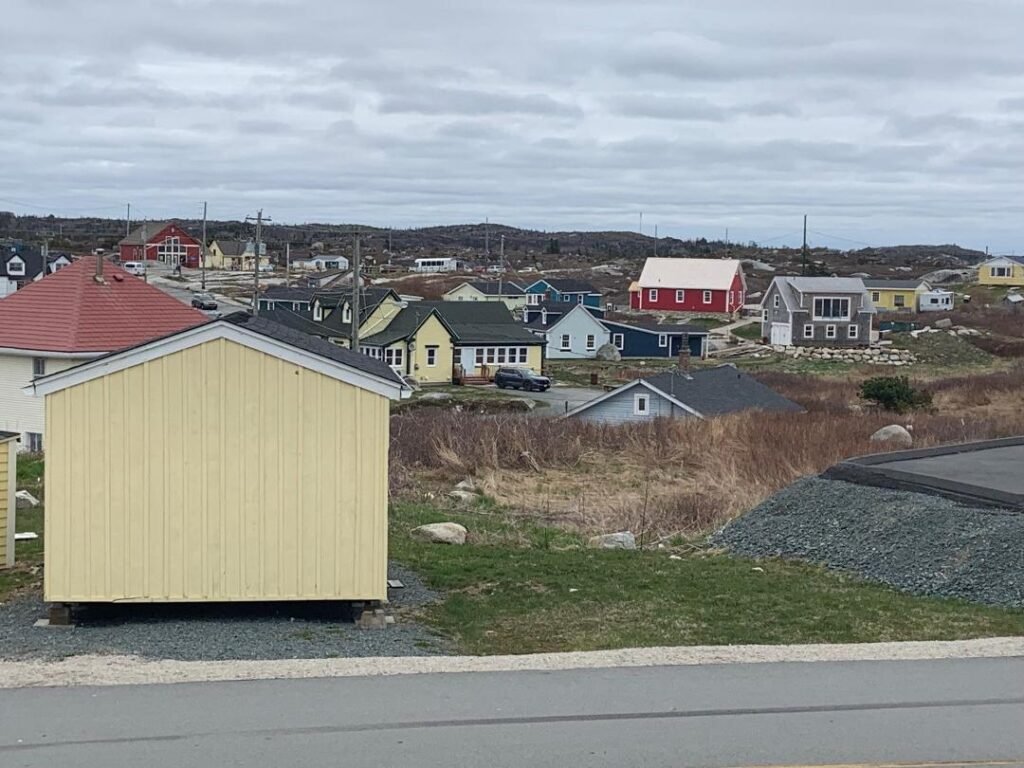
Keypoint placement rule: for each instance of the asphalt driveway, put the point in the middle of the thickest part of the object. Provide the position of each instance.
(559, 399)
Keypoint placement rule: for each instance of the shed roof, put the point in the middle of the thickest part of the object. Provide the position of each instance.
(704, 274)
(69, 311)
(5, 436)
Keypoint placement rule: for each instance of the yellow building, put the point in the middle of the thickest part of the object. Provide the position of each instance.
(1002, 270)
(163, 486)
(8, 459)
(895, 295)
(234, 255)
(512, 295)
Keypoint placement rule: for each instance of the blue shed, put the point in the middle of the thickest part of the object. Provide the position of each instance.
(563, 290)
(657, 340)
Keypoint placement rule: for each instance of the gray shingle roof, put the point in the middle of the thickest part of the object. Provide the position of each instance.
(135, 236)
(570, 285)
(896, 285)
(232, 247)
(300, 321)
(716, 391)
(311, 344)
(693, 330)
(496, 288)
(287, 293)
(481, 322)
(826, 284)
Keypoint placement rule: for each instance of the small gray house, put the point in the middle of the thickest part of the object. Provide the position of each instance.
(817, 311)
(677, 394)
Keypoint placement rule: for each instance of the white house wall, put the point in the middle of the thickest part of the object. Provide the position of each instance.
(578, 324)
(18, 411)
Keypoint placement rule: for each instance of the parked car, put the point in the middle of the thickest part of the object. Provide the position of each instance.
(137, 268)
(204, 301)
(521, 378)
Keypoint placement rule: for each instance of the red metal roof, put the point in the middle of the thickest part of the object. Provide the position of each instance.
(69, 311)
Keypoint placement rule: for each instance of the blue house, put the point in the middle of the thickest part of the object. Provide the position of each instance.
(563, 290)
(286, 297)
(547, 313)
(657, 340)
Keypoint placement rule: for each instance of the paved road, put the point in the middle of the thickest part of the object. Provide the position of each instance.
(557, 397)
(998, 468)
(763, 714)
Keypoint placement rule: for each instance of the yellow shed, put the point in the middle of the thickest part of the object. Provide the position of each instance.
(8, 458)
(235, 461)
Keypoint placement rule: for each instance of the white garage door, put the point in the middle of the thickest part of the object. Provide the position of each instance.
(781, 334)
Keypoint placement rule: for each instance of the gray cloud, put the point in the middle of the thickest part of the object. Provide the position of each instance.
(884, 121)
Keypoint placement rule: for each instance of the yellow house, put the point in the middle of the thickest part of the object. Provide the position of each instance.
(895, 295)
(163, 486)
(234, 255)
(1002, 270)
(8, 457)
(513, 296)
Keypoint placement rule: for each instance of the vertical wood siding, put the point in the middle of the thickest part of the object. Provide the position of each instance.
(216, 473)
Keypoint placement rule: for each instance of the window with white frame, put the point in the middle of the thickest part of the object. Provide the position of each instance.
(876, 296)
(764, 315)
(591, 342)
(808, 331)
(374, 352)
(652, 294)
(1000, 271)
(619, 340)
(496, 355)
(662, 339)
(579, 298)
(394, 356)
(431, 357)
(16, 266)
(899, 300)
(534, 298)
(346, 315)
(831, 308)
(776, 301)
(641, 405)
(680, 296)
(35, 442)
(830, 331)
(38, 366)
(707, 297)
(566, 341)
(853, 331)
(171, 250)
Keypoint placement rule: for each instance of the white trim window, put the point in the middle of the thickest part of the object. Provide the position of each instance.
(591, 342)
(831, 308)
(662, 339)
(431, 357)
(35, 442)
(876, 296)
(652, 294)
(374, 352)
(500, 355)
(853, 331)
(566, 342)
(533, 299)
(764, 315)
(641, 404)
(38, 367)
(776, 301)
(16, 267)
(680, 296)
(619, 340)
(395, 357)
(707, 297)
(808, 331)
(1000, 271)
(830, 331)
(346, 316)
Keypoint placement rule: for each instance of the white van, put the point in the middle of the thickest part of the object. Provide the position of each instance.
(137, 268)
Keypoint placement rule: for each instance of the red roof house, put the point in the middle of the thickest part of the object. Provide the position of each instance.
(71, 316)
(165, 241)
(714, 286)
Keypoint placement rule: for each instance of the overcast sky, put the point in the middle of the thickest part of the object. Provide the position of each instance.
(886, 121)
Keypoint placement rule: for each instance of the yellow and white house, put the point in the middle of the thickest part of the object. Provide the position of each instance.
(895, 295)
(8, 475)
(1002, 270)
(235, 255)
(512, 295)
(142, 508)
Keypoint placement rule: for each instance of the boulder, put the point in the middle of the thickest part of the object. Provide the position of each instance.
(894, 434)
(460, 495)
(944, 323)
(623, 540)
(25, 500)
(440, 533)
(609, 353)
(435, 396)
(467, 485)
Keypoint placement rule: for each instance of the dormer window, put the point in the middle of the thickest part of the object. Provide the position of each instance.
(16, 266)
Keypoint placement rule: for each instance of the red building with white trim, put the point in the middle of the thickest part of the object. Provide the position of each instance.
(713, 286)
(165, 241)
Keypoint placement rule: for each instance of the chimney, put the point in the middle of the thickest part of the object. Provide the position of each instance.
(99, 269)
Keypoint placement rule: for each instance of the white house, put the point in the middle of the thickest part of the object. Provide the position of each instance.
(575, 335)
(436, 264)
(21, 266)
(322, 263)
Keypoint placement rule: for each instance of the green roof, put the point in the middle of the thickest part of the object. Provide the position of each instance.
(470, 322)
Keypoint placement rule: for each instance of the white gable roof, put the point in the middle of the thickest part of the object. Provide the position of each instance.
(704, 274)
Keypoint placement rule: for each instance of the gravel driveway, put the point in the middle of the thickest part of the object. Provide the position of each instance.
(272, 631)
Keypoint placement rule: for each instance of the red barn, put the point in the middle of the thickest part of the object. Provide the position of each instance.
(713, 286)
(164, 241)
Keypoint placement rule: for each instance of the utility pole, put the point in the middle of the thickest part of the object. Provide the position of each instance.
(803, 268)
(501, 262)
(356, 287)
(655, 241)
(204, 246)
(145, 257)
(128, 221)
(727, 242)
(641, 222)
(487, 237)
(256, 260)
(288, 263)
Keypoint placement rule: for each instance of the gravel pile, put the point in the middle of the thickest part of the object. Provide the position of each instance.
(240, 631)
(918, 543)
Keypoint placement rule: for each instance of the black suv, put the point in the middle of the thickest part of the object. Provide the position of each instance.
(521, 378)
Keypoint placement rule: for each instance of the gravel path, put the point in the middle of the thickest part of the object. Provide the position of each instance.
(914, 542)
(273, 631)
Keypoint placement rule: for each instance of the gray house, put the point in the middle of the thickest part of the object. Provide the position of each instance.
(677, 394)
(576, 334)
(817, 311)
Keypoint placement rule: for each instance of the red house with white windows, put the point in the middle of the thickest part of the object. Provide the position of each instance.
(165, 241)
(714, 286)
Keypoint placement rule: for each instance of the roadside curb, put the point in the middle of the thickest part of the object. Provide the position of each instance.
(133, 670)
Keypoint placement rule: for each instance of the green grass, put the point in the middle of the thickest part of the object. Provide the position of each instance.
(750, 332)
(944, 351)
(28, 555)
(707, 322)
(520, 588)
(30, 473)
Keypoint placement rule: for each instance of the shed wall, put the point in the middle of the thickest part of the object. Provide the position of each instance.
(212, 474)
(7, 505)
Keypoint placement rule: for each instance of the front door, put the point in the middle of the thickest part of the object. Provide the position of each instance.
(467, 360)
(780, 334)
